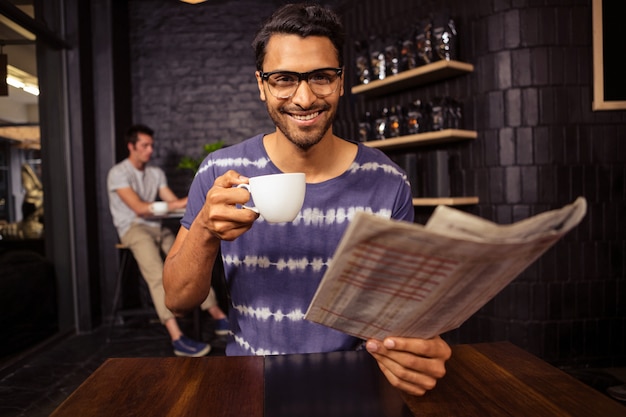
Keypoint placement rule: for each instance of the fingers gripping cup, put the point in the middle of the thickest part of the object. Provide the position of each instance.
(277, 198)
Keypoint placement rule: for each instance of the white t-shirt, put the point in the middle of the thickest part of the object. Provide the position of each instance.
(145, 183)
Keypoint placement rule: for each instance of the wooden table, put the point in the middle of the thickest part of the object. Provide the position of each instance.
(176, 387)
(500, 379)
(489, 379)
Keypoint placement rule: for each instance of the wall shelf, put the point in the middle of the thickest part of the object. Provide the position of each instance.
(421, 139)
(425, 74)
(446, 201)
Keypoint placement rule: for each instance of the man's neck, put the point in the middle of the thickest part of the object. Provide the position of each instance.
(137, 164)
(329, 158)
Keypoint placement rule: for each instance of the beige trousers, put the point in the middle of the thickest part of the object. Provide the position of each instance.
(148, 245)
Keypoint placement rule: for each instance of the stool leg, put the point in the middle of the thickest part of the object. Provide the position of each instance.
(118, 311)
(118, 285)
(197, 328)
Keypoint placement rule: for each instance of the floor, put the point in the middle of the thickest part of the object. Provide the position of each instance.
(35, 388)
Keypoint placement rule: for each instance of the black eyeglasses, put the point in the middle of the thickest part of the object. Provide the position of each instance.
(284, 84)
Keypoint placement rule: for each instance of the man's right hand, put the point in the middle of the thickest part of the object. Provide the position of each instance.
(221, 214)
(194, 251)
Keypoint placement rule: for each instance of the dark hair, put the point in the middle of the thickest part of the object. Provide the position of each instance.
(301, 19)
(134, 130)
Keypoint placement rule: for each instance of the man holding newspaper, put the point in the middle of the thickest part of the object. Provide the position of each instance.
(273, 270)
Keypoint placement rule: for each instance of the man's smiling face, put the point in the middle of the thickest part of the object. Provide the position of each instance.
(303, 118)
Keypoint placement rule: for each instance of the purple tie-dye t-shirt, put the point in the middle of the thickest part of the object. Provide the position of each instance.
(273, 270)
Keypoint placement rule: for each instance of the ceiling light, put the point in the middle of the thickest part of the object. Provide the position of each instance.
(21, 79)
(15, 82)
(193, 1)
(5, 21)
(31, 89)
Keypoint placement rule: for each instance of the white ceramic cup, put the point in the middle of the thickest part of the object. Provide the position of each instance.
(159, 208)
(277, 198)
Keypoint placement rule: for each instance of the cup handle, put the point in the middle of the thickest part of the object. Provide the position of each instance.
(247, 187)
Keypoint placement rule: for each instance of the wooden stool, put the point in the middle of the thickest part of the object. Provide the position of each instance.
(123, 275)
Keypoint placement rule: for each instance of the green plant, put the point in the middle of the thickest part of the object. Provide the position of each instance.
(187, 162)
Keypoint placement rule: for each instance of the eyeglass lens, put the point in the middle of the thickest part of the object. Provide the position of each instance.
(284, 84)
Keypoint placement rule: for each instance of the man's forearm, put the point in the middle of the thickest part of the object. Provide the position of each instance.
(188, 269)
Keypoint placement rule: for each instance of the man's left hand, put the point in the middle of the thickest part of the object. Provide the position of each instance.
(411, 364)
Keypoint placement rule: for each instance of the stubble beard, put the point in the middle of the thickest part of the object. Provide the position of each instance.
(304, 139)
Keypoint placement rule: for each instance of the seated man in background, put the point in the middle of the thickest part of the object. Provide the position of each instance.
(133, 186)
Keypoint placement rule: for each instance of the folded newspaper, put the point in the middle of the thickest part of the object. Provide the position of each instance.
(397, 278)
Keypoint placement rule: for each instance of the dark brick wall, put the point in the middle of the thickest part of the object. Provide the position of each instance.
(544, 147)
(539, 144)
(193, 76)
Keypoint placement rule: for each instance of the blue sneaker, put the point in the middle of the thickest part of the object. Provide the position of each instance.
(189, 347)
(222, 327)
